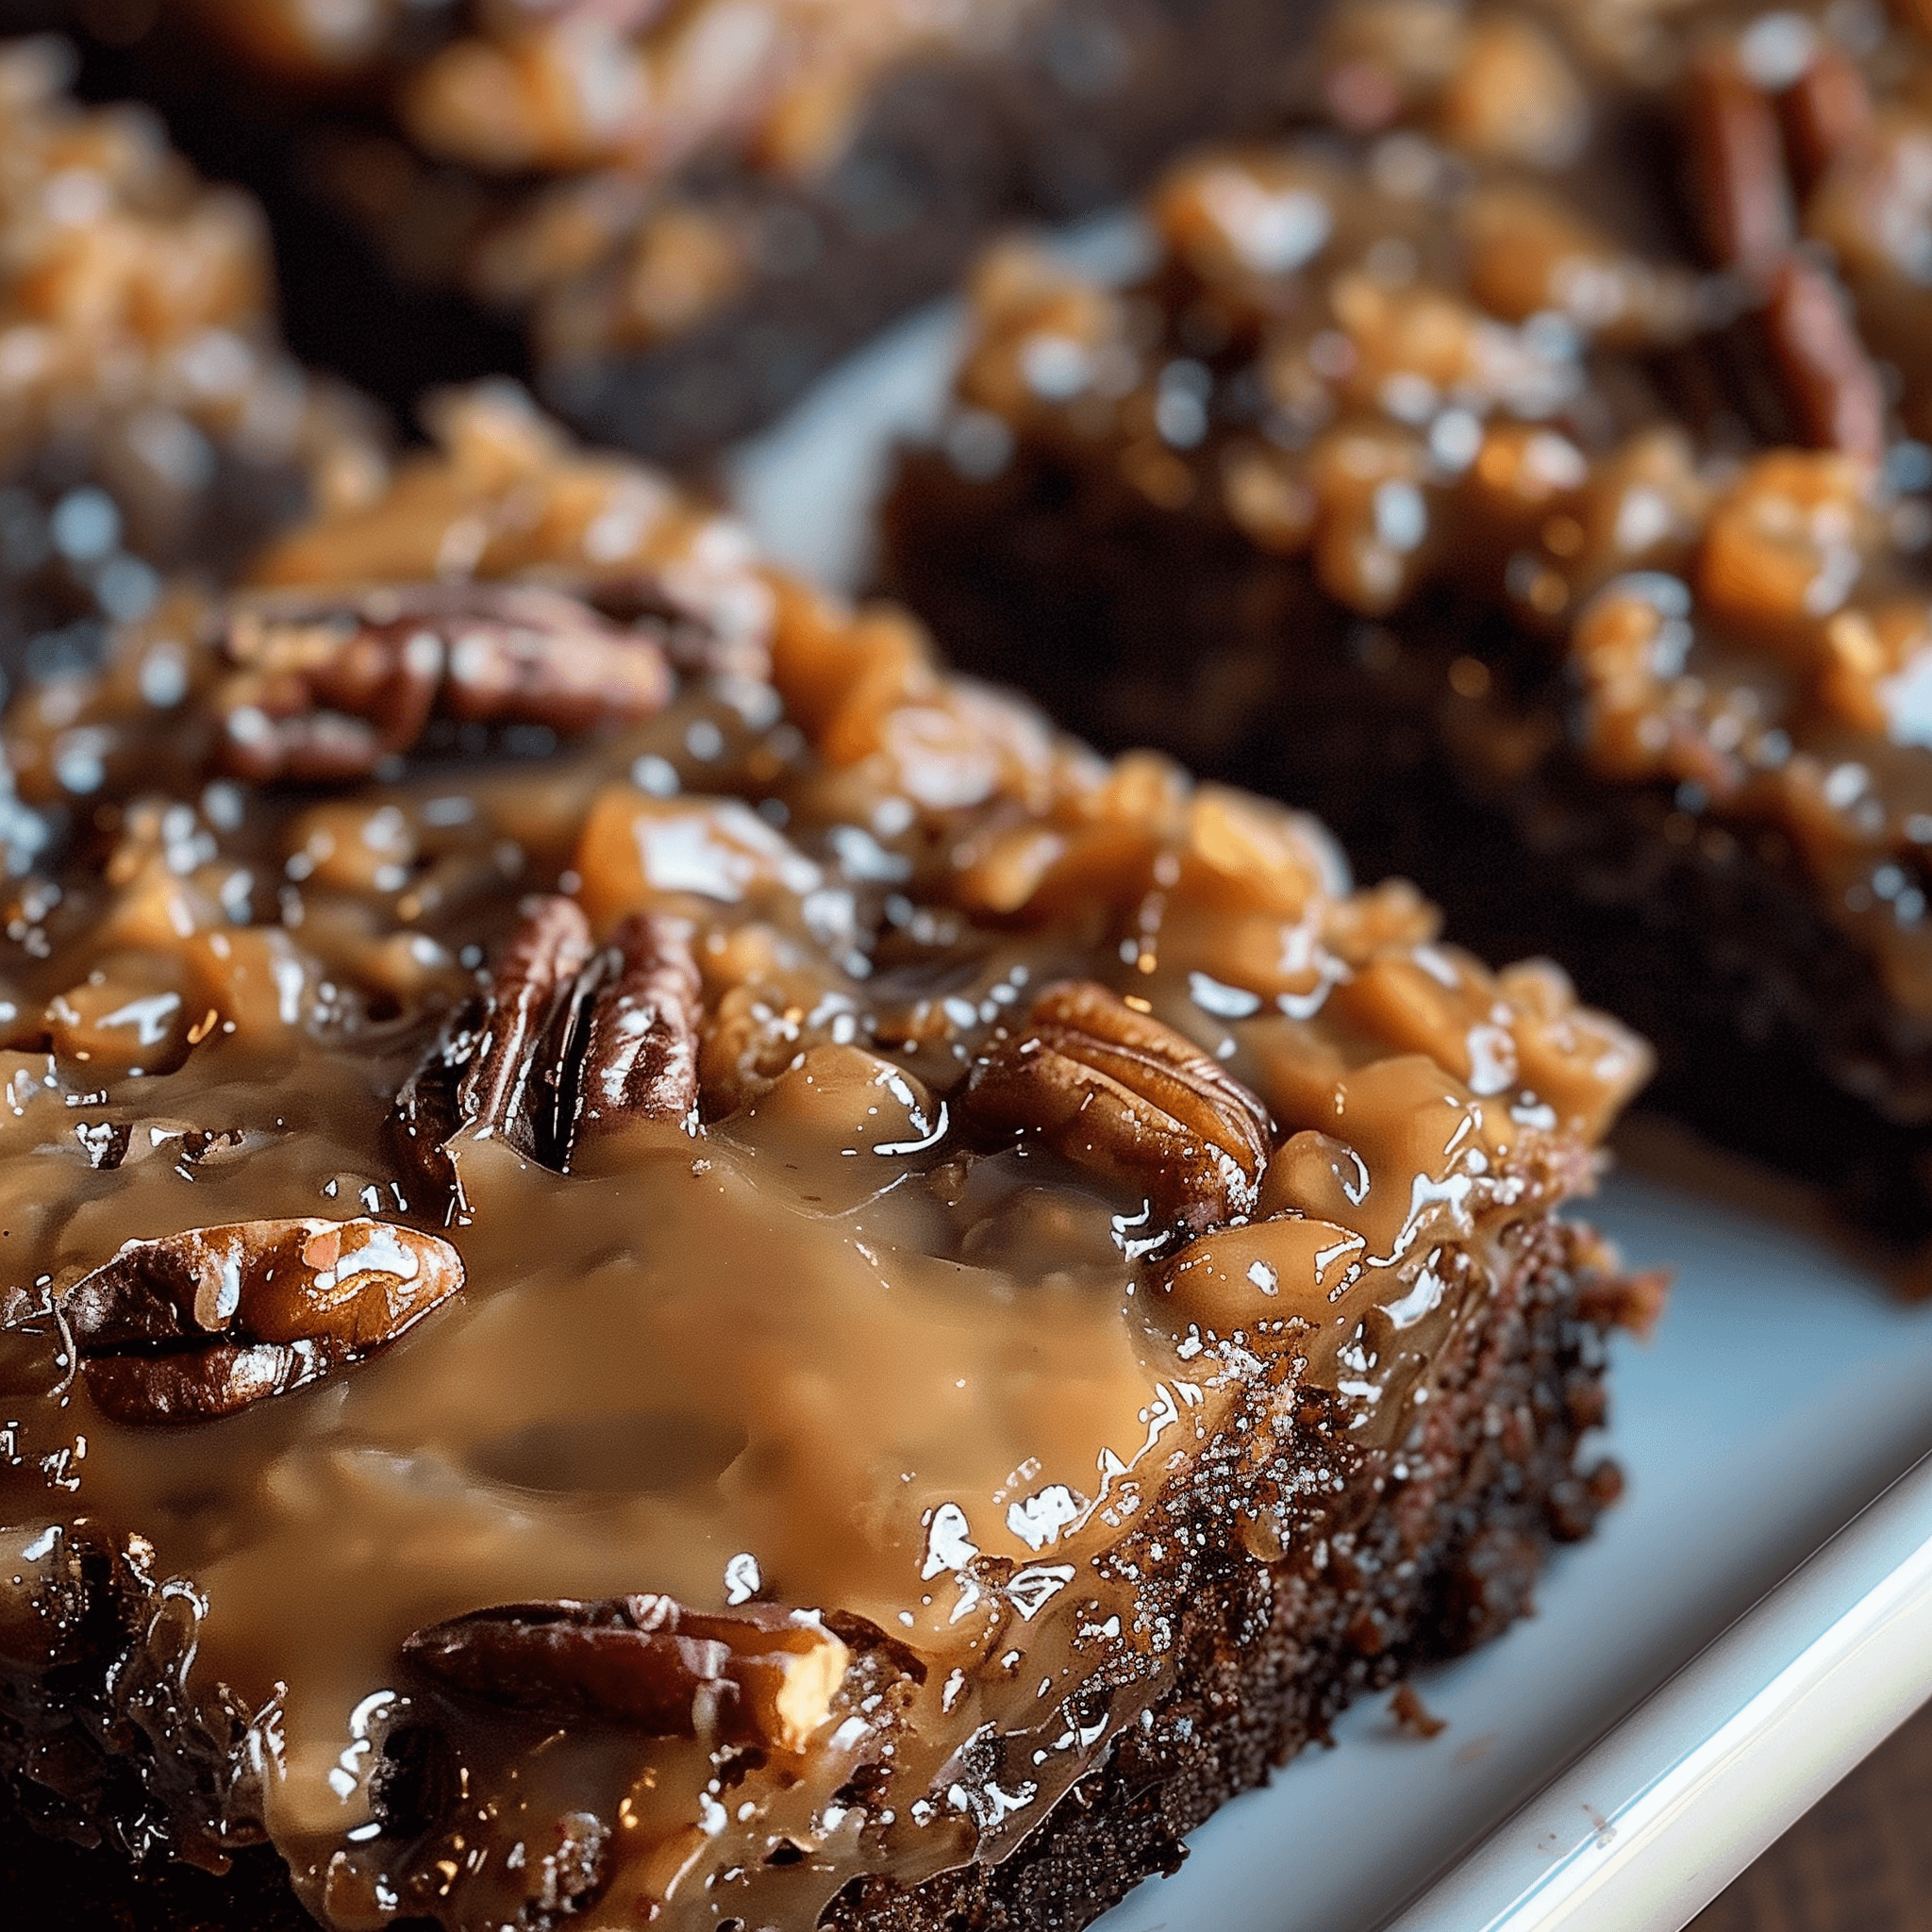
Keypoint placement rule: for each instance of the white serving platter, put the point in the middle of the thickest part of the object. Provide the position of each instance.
(1754, 1618)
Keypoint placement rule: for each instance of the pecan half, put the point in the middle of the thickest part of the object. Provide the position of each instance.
(1827, 377)
(323, 689)
(1825, 112)
(641, 1045)
(1738, 169)
(537, 986)
(703, 637)
(1130, 1099)
(1745, 152)
(750, 1677)
(620, 16)
(572, 1040)
(485, 1074)
(200, 1324)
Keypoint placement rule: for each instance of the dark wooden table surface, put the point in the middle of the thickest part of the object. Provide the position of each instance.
(1861, 1861)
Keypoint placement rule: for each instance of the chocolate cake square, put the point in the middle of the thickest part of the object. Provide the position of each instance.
(667, 1267)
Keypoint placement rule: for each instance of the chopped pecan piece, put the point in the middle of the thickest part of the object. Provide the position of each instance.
(1827, 377)
(750, 1677)
(572, 1040)
(1129, 1098)
(324, 688)
(1413, 1716)
(200, 1324)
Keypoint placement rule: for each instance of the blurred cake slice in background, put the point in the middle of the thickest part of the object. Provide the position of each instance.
(668, 218)
(150, 420)
(1498, 468)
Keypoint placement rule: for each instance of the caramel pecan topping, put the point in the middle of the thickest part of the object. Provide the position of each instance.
(749, 1676)
(571, 1040)
(200, 1324)
(323, 691)
(1118, 1093)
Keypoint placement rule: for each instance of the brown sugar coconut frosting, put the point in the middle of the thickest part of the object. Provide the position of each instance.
(656, 1256)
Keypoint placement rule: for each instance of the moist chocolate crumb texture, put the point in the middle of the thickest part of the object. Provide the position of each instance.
(663, 1267)
(692, 208)
(149, 420)
(1554, 533)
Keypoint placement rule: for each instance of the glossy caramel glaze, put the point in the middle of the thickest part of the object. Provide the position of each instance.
(847, 1351)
